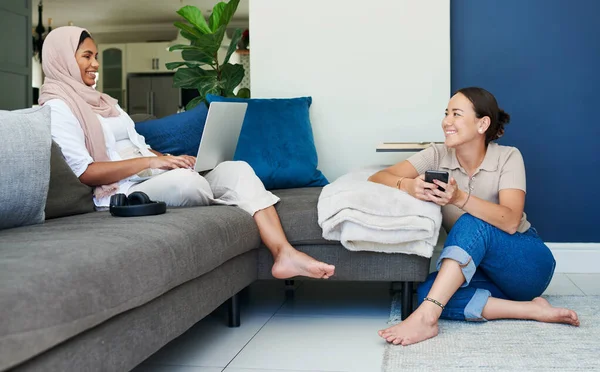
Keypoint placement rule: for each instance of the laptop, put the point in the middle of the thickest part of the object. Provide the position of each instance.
(220, 135)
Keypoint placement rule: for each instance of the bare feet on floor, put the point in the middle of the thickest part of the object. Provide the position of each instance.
(419, 326)
(422, 324)
(549, 314)
(290, 263)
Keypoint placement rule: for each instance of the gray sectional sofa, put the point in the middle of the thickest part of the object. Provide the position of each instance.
(93, 292)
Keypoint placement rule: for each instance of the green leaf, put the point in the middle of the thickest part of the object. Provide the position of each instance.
(209, 86)
(194, 16)
(237, 35)
(210, 43)
(193, 53)
(174, 65)
(198, 56)
(218, 37)
(187, 35)
(181, 47)
(215, 17)
(188, 29)
(192, 78)
(228, 12)
(231, 77)
(195, 102)
(214, 89)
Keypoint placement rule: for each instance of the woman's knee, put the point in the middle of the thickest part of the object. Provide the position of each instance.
(468, 221)
(466, 228)
(231, 174)
(239, 167)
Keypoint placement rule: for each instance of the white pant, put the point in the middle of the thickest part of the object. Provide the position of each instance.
(230, 183)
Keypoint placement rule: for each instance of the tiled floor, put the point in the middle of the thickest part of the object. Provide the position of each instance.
(326, 326)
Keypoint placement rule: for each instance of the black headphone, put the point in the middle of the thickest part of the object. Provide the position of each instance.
(134, 205)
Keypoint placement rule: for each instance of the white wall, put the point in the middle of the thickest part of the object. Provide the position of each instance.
(36, 74)
(379, 72)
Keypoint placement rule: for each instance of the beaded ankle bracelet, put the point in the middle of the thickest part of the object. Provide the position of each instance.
(434, 301)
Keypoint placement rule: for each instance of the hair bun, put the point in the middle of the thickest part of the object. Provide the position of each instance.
(503, 117)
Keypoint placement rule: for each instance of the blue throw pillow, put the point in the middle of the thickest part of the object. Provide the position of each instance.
(177, 134)
(277, 141)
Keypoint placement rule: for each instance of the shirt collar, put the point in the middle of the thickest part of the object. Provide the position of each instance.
(489, 163)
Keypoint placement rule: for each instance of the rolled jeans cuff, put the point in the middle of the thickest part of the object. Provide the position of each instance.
(459, 255)
(474, 309)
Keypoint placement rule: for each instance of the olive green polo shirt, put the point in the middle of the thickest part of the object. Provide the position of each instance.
(502, 168)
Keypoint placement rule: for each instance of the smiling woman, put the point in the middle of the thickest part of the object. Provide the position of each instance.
(493, 265)
(87, 58)
(100, 144)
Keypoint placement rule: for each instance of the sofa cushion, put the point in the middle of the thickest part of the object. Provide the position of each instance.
(25, 166)
(297, 210)
(70, 274)
(277, 141)
(67, 196)
(177, 134)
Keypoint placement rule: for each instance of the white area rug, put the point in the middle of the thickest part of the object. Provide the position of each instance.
(505, 345)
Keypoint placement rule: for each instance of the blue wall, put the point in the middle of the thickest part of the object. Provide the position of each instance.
(541, 59)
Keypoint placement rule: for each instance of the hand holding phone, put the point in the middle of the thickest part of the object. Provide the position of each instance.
(431, 175)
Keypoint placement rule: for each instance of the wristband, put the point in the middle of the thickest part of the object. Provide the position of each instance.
(399, 183)
(465, 203)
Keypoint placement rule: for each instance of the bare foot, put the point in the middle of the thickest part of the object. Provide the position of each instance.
(419, 326)
(549, 314)
(290, 263)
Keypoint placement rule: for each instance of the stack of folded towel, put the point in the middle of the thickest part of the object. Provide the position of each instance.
(366, 216)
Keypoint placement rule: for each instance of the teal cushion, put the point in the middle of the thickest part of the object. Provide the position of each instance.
(277, 141)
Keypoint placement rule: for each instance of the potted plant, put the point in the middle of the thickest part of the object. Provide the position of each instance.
(201, 68)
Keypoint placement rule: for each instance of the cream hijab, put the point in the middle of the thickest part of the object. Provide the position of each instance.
(63, 81)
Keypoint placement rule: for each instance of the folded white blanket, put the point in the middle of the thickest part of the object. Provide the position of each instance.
(366, 216)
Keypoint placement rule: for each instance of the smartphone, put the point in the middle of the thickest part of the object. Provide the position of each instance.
(431, 175)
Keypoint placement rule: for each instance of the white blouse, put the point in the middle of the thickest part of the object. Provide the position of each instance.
(121, 140)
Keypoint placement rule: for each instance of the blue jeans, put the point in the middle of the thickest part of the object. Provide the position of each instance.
(494, 263)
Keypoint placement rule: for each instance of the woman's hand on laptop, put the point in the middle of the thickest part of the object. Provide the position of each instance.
(172, 162)
(191, 160)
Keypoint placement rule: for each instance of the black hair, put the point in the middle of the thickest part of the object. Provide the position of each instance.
(485, 104)
(84, 35)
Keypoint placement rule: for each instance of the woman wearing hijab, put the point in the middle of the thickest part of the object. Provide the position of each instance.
(100, 144)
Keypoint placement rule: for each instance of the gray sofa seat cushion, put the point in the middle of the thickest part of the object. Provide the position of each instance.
(297, 210)
(70, 274)
(24, 166)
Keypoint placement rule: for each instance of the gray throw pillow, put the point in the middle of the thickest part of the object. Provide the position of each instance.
(67, 196)
(24, 166)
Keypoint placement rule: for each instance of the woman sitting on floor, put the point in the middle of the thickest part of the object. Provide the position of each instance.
(493, 265)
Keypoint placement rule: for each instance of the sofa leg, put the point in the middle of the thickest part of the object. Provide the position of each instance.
(407, 299)
(234, 311)
(395, 287)
(290, 290)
